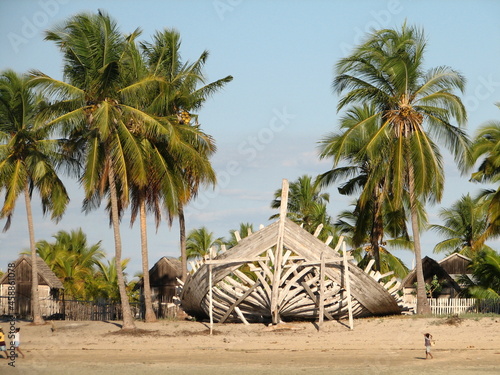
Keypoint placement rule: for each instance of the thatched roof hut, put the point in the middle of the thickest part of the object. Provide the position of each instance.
(163, 279)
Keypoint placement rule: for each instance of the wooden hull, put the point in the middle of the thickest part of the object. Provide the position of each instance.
(282, 270)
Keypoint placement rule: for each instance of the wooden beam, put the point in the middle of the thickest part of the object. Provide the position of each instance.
(240, 315)
(321, 290)
(279, 254)
(347, 285)
(318, 230)
(238, 301)
(210, 295)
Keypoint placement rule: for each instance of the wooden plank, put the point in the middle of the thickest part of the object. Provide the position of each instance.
(318, 230)
(237, 236)
(321, 290)
(329, 240)
(238, 301)
(240, 315)
(210, 295)
(347, 286)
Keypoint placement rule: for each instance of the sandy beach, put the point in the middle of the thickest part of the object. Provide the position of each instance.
(388, 345)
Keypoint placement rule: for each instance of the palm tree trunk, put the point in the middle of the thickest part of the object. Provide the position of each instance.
(150, 316)
(182, 233)
(128, 320)
(35, 298)
(377, 230)
(423, 306)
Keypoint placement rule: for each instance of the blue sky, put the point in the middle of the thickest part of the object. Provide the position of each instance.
(268, 120)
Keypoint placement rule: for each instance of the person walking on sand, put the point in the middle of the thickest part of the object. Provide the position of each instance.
(17, 341)
(3, 347)
(428, 344)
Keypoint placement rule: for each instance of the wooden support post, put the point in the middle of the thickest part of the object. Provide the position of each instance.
(321, 290)
(347, 286)
(210, 294)
(279, 254)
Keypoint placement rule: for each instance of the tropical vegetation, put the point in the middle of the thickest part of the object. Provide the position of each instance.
(28, 162)
(124, 121)
(410, 113)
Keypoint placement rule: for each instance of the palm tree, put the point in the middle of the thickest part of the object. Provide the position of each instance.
(387, 72)
(306, 205)
(359, 234)
(464, 225)
(245, 230)
(28, 161)
(486, 146)
(180, 90)
(367, 174)
(72, 259)
(106, 280)
(93, 111)
(199, 241)
(485, 282)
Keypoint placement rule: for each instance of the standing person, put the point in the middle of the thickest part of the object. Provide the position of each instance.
(428, 344)
(17, 341)
(3, 347)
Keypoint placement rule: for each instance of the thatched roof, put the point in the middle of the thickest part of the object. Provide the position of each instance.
(430, 268)
(167, 268)
(44, 272)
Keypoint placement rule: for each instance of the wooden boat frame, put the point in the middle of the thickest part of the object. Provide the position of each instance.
(284, 273)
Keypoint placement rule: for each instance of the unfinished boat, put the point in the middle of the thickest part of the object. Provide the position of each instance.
(284, 273)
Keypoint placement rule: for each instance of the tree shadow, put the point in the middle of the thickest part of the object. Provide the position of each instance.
(113, 323)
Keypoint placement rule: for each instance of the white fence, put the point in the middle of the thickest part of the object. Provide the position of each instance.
(454, 306)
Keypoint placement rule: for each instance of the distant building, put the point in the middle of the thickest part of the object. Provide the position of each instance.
(163, 278)
(455, 263)
(50, 289)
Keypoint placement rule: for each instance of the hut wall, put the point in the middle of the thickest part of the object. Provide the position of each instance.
(456, 266)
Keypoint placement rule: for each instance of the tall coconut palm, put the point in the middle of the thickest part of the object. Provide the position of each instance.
(182, 90)
(367, 175)
(465, 222)
(28, 162)
(93, 111)
(414, 109)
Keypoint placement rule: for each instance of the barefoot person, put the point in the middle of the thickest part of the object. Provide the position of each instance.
(17, 341)
(3, 347)
(428, 344)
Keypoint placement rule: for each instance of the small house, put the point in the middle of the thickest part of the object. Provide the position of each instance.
(456, 265)
(50, 288)
(431, 268)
